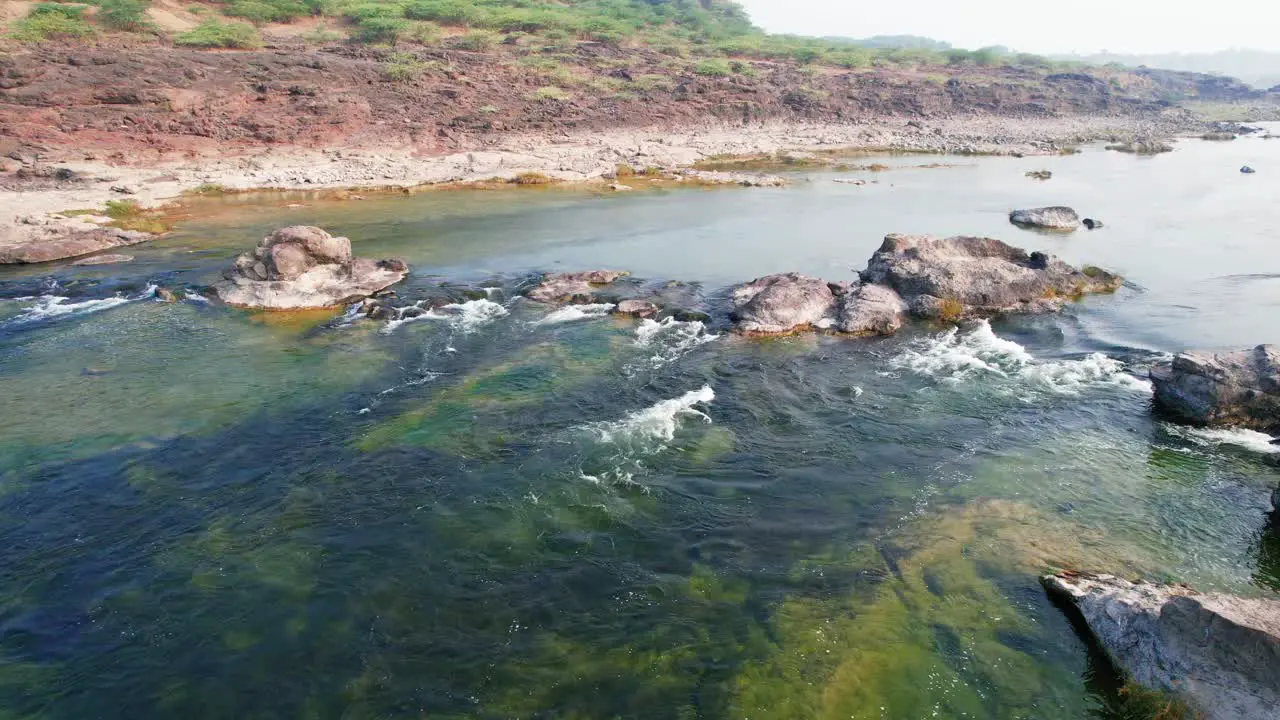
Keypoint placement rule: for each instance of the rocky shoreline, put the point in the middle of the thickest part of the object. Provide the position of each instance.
(40, 185)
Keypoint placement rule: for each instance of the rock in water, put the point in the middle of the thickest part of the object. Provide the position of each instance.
(577, 287)
(1057, 217)
(303, 267)
(637, 308)
(871, 310)
(784, 303)
(1239, 388)
(1092, 224)
(1220, 653)
(1247, 170)
(60, 242)
(971, 276)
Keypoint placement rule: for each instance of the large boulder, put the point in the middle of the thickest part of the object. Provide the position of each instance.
(303, 267)
(1220, 653)
(575, 287)
(1057, 217)
(56, 241)
(1240, 388)
(870, 310)
(785, 303)
(960, 277)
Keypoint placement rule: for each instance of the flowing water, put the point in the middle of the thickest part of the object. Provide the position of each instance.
(502, 510)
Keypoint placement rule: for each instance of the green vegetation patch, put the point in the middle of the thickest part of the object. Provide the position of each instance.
(52, 21)
(217, 34)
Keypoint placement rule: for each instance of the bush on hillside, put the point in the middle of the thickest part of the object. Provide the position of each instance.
(718, 67)
(476, 40)
(381, 30)
(218, 34)
(130, 15)
(267, 11)
(51, 21)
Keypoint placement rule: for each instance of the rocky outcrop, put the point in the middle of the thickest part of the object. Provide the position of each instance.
(777, 304)
(575, 287)
(1240, 388)
(1220, 653)
(303, 267)
(1057, 217)
(68, 240)
(972, 276)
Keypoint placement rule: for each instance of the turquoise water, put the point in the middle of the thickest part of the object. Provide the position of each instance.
(488, 513)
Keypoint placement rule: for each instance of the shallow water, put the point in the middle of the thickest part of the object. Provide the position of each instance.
(498, 510)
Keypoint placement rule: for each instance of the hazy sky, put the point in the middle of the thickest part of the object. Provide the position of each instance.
(1129, 26)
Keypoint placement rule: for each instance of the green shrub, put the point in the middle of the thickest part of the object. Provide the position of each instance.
(425, 32)
(128, 15)
(476, 40)
(744, 69)
(267, 11)
(208, 188)
(448, 12)
(49, 21)
(381, 29)
(402, 67)
(717, 67)
(321, 34)
(807, 55)
(363, 11)
(550, 93)
(854, 58)
(217, 34)
(71, 12)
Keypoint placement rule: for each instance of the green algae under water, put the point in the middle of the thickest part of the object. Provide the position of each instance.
(208, 513)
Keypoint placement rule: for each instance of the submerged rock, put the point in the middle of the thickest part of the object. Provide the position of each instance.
(777, 304)
(1142, 147)
(575, 287)
(1091, 224)
(303, 267)
(1247, 170)
(108, 259)
(1057, 217)
(1039, 174)
(1240, 388)
(972, 276)
(1218, 652)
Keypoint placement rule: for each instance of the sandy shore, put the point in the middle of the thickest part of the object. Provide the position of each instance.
(29, 217)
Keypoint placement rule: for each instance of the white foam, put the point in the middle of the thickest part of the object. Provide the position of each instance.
(1248, 439)
(470, 315)
(570, 313)
(191, 295)
(465, 317)
(955, 357)
(349, 316)
(658, 421)
(670, 339)
(49, 307)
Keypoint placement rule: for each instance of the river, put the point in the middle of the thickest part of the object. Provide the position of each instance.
(500, 510)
